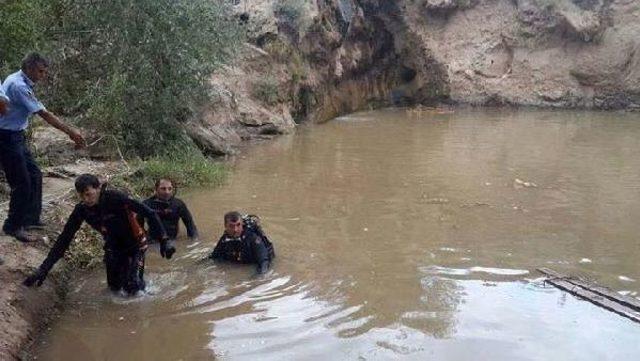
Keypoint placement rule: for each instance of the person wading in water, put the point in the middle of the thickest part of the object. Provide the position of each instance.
(111, 213)
(244, 241)
(171, 210)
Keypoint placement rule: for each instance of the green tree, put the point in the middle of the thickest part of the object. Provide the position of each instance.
(153, 60)
(133, 69)
(20, 31)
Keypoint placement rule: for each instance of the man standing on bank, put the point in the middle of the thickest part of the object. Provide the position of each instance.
(21, 170)
(171, 210)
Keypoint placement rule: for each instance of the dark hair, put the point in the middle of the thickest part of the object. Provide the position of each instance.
(164, 179)
(232, 217)
(85, 181)
(33, 59)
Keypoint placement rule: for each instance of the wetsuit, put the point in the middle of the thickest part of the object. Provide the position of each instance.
(123, 254)
(170, 212)
(249, 248)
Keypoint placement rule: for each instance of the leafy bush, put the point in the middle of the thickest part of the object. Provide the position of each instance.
(135, 69)
(185, 167)
(20, 31)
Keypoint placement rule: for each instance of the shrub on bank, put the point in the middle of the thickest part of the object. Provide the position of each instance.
(187, 168)
(133, 69)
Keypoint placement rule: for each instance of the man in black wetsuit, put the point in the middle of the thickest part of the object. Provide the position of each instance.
(171, 210)
(244, 242)
(111, 213)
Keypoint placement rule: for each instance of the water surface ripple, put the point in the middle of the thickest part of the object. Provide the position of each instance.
(400, 236)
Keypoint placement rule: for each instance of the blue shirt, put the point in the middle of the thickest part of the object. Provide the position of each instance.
(2, 96)
(22, 102)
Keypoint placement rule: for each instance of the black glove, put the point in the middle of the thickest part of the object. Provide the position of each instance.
(36, 278)
(167, 249)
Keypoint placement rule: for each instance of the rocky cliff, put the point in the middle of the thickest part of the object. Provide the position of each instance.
(314, 60)
(562, 53)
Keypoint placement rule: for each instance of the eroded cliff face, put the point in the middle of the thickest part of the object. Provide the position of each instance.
(338, 57)
(330, 57)
(562, 53)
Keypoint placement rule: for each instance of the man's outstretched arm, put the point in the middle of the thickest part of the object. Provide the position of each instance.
(57, 251)
(72, 132)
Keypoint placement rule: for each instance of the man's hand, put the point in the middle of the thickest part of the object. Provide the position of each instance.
(72, 132)
(77, 138)
(35, 279)
(167, 248)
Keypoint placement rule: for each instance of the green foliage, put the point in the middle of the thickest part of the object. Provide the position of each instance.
(187, 168)
(20, 31)
(136, 69)
(267, 90)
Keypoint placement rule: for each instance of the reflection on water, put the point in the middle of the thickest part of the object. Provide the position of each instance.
(399, 236)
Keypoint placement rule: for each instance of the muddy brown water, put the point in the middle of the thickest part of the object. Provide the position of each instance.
(399, 235)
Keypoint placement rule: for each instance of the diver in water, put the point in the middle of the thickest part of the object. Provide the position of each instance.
(244, 241)
(113, 215)
(171, 210)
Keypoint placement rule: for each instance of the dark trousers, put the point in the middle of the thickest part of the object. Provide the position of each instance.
(24, 178)
(125, 270)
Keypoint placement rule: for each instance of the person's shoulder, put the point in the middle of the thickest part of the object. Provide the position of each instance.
(149, 201)
(14, 78)
(178, 201)
(16, 81)
(80, 210)
(114, 195)
(251, 234)
(79, 207)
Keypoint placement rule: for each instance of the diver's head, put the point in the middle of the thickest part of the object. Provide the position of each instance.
(164, 189)
(88, 188)
(233, 225)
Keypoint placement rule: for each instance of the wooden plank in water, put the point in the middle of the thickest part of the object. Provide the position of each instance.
(628, 301)
(600, 296)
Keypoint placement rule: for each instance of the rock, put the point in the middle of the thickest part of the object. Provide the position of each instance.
(582, 25)
(446, 7)
(441, 4)
(214, 140)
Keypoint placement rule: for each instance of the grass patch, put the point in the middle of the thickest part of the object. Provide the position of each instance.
(186, 169)
(86, 251)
